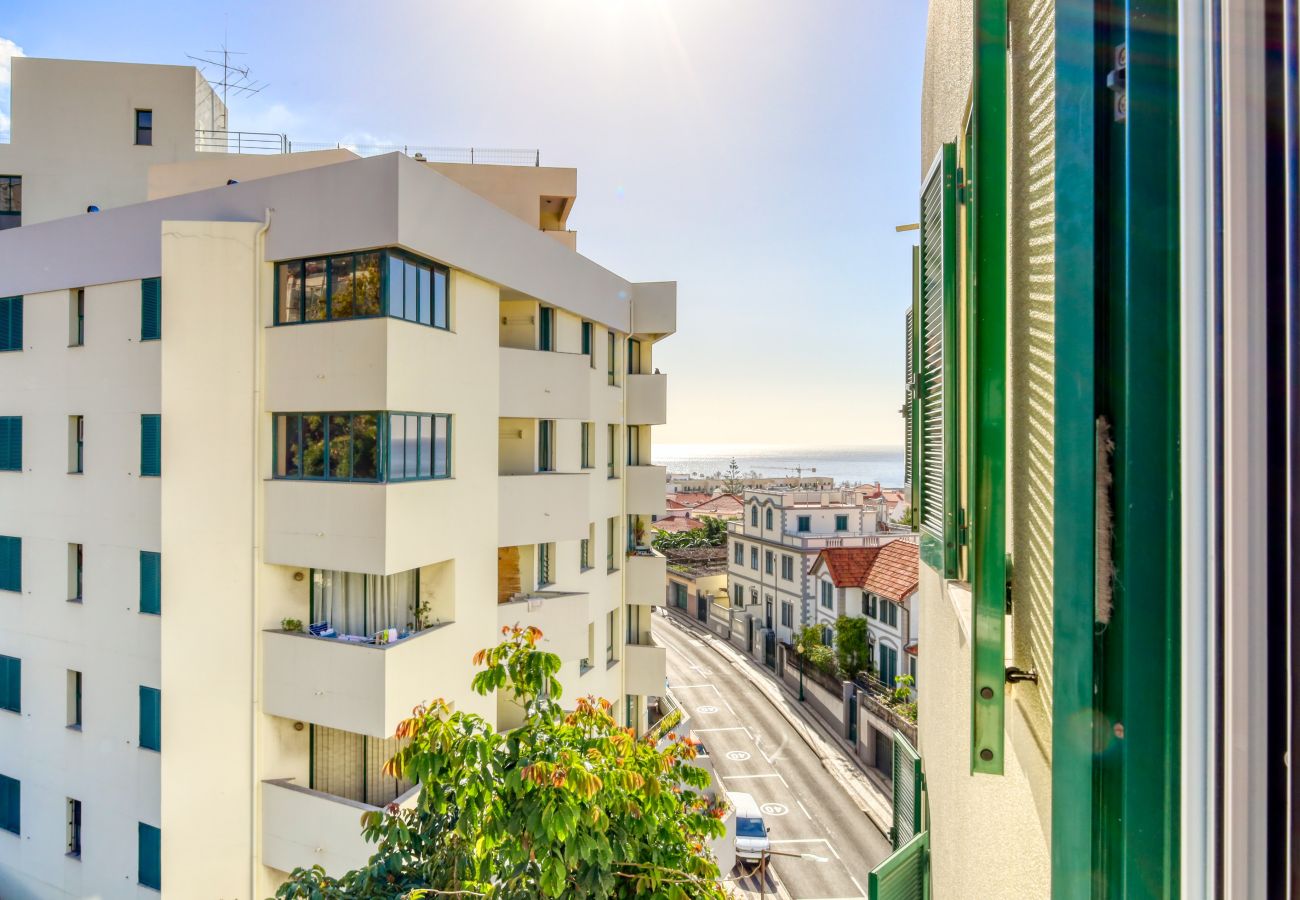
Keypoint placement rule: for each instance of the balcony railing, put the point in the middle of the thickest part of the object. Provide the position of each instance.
(270, 142)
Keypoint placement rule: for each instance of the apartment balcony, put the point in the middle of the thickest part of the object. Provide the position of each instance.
(561, 617)
(644, 668)
(362, 688)
(647, 399)
(542, 507)
(646, 578)
(302, 827)
(358, 364)
(654, 307)
(646, 487)
(540, 384)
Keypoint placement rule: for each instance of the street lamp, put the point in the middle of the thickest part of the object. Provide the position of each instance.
(799, 649)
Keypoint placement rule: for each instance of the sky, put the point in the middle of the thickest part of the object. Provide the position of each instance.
(757, 152)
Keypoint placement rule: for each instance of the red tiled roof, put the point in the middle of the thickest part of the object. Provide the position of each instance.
(848, 566)
(895, 572)
(670, 503)
(890, 571)
(870, 490)
(675, 524)
(725, 504)
(691, 498)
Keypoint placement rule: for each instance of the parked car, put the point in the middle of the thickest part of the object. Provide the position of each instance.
(751, 830)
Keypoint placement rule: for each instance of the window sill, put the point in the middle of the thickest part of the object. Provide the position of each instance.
(76, 856)
(610, 663)
(80, 472)
(76, 728)
(582, 569)
(76, 600)
(611, 570)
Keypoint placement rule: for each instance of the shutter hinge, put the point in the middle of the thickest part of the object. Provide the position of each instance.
(963, 530)
(1117, 81)
(961, 186)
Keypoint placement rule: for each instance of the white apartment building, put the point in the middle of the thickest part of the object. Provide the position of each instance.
(284, 440)
(877, 584)
(772, 547)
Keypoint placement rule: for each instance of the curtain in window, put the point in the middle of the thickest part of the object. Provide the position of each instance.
(353, 603)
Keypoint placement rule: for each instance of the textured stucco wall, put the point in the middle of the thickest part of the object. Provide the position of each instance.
(945, 84)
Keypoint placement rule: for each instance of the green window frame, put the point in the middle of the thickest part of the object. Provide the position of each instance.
(753, 558)
(769, 562)
(588, 445)
(546, 328)
(633, 356)
(545, 571)
(613, 357)
(11, 201)
(363, 285)
(11, 443)
(588, 342)
(739, 555)
(79, 314)
(150, 718)
(841, 523)
(546, 445)
(149, 856)
(150, 445)
(869, 605)
(787, 567)
(150, 582)
(150, 309)
(11, 794)
(11, 684)
(828, 595)
(787, 614)
(613, 451)
(611, 535)
(767, 518)
(11, 563)
(11, 323)
(584, 559)
(753, 516)
(368, 446)
(804, 524)
(909, 390)
(936, 448)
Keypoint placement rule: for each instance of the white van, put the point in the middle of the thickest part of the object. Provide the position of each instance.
(751, 830)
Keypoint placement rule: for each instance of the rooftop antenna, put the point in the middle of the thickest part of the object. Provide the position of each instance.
(235, 78)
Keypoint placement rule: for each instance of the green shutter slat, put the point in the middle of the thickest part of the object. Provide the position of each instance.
(11, 443)
(906, 791)
(151, 444)
(150, 582)
(149, 857)
(905, 874)
(11, 563)
(907, 399)
(150, 718)
(150, 309)
(11, 323)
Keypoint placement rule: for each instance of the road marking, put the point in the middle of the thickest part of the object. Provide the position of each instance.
(682, 687)
(728, 706)
(739, 777)
(856, 885)
(804, 808)
(829, 845)
(774, 809)
(732, 728)
(737, 755)
(706, 710)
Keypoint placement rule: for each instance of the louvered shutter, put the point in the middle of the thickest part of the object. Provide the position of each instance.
(150, 582)
(936, 430)
(11, 563)
(11, 443)
(907, 400)
(907, 791)
(904, 875)
(151, 444)
(150, 309)
(11, 683)
(11, 323)
(149, 856)
(150, 718)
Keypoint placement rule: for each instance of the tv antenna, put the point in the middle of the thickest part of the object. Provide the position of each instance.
(236, 78)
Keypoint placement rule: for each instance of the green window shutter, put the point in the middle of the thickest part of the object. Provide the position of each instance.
(150, 582)
(907, 791)
(150, 718)
(11, 443)
(149, 856)
(11, 790)
(11, 683)
(11, 563)
(905, 874)
(907, 399)
(937, 361)
(11, 323)
(150, 309)
(151, 444)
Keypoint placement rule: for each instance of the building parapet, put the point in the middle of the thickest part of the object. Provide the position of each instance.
(265, 142)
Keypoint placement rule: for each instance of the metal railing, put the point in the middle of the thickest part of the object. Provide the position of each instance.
(268, 142)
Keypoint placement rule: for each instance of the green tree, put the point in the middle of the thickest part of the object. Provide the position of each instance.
(732, 481)
(852, 647)
(815, 652)
(569, 804)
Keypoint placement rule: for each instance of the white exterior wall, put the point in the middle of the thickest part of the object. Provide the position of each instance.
(233, 539)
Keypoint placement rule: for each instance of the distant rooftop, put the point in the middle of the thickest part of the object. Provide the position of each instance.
(272, 143)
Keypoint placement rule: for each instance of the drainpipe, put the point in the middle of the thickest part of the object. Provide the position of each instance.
(622, 493)
(255, 672)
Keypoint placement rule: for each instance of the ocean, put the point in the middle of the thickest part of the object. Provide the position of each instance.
(854, 465)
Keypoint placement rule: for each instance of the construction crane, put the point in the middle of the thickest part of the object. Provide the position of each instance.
(798, 470)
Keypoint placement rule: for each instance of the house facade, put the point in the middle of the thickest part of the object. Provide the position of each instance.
(286, 440)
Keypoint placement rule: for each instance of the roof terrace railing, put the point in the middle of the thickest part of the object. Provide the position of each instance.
(267, 142)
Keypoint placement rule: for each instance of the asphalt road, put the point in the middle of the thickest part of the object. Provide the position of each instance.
(756, 752)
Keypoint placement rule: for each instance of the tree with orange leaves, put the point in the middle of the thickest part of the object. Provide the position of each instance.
(569, 804)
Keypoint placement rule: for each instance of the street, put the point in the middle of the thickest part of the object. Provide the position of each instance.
(756, 751)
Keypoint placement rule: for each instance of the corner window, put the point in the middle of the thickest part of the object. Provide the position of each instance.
(367, 446)
(361, 286)
(144, 127)
(11, 201)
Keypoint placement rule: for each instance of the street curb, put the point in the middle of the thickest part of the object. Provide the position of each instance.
(832, 761)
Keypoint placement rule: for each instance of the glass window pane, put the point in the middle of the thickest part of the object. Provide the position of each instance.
(412, 285)
(396, 447)
(313, 447)
(341, 300)
(288, 463)
(290, 292)
(314, 289)
(412, 446)
(366, 282)
(439, 298)
(425, 287)
(442, 447)
(396, 280)
(426, 446)
(365, 436)
(340, 447)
